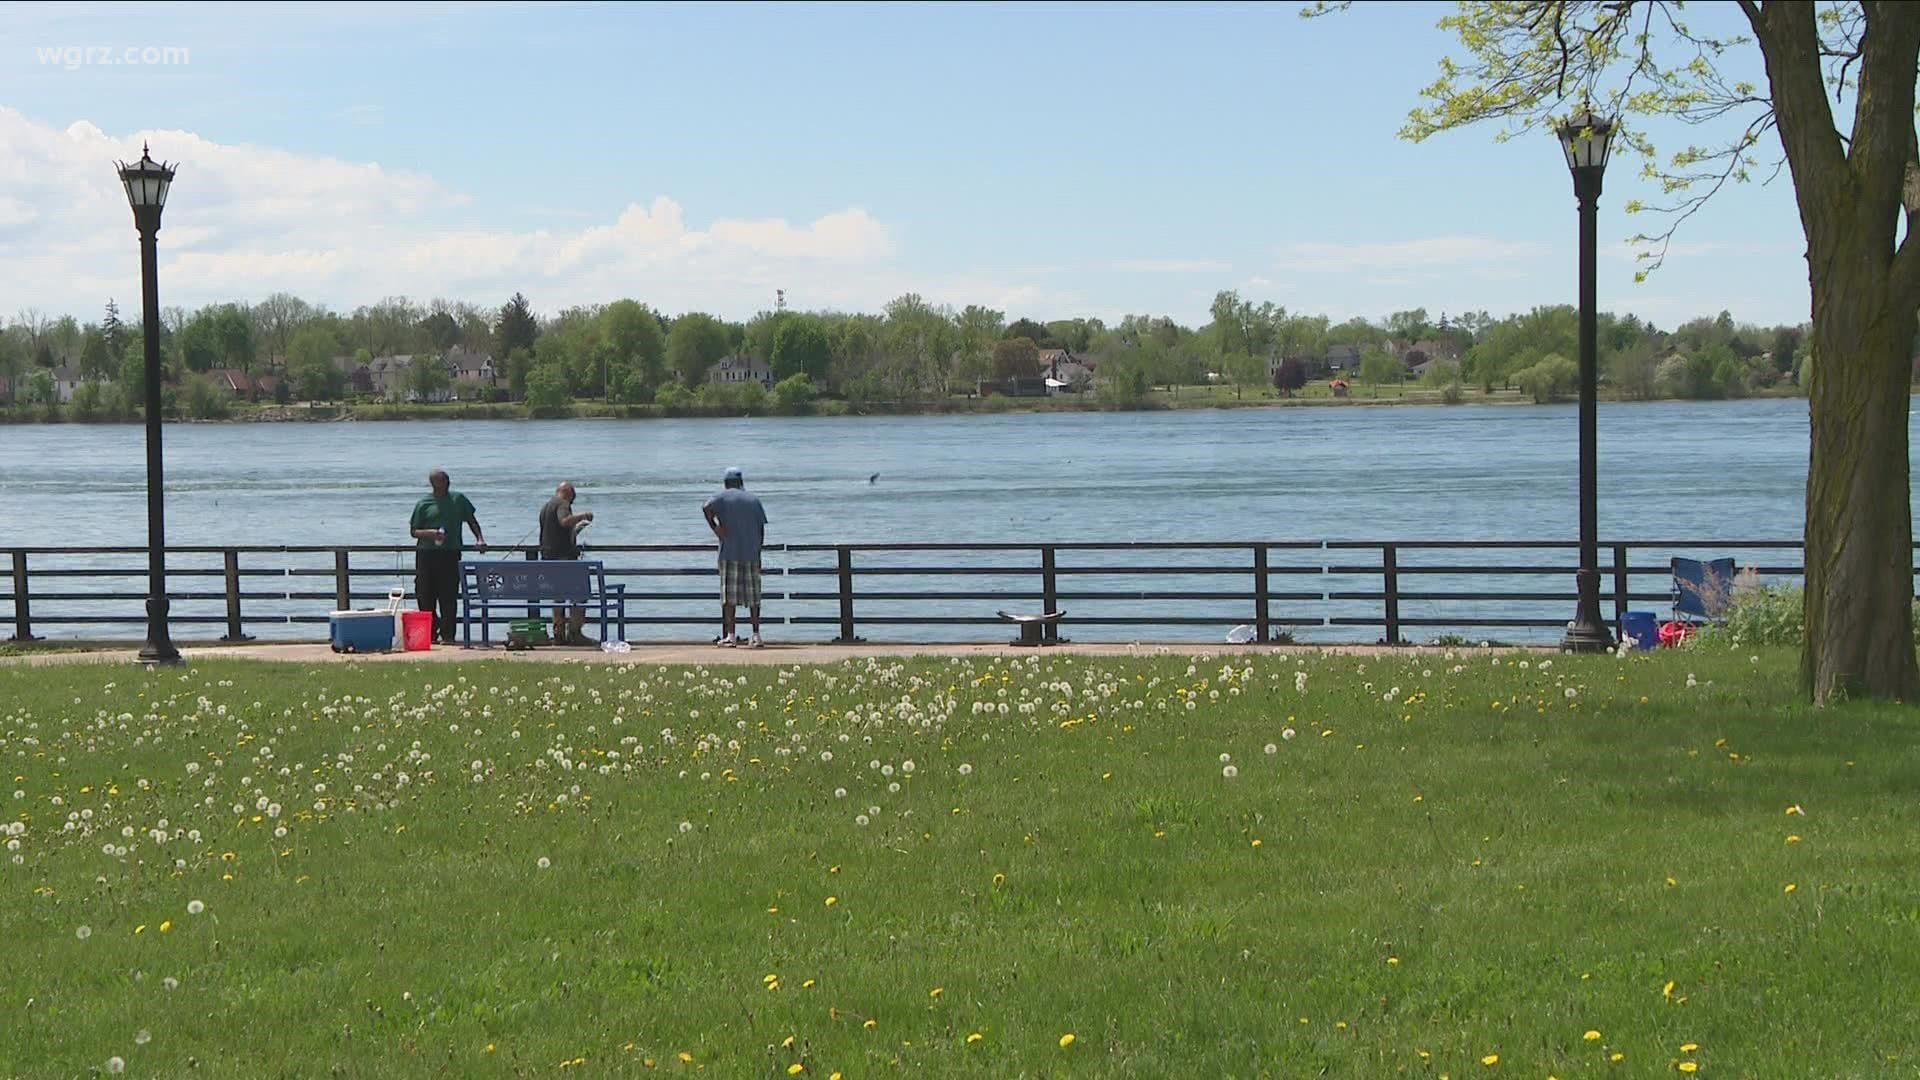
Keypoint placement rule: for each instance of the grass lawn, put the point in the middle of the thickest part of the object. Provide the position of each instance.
(1465, 864)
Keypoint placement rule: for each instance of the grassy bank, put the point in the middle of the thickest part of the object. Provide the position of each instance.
(1464, 865)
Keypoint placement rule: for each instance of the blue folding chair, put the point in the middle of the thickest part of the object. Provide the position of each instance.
(1702, 590)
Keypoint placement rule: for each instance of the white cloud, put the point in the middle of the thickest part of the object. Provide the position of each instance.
(244, 221)
(1172, 266)
(1428, 253)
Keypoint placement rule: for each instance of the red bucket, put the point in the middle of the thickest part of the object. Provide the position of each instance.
(416, 630)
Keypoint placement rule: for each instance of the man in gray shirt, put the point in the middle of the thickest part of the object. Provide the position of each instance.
(740, 523)
(559, 539)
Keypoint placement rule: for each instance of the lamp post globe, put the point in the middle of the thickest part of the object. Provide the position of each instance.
(147, 182)
(1586, 139)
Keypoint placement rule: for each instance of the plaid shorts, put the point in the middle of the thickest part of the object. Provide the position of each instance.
(739, 583)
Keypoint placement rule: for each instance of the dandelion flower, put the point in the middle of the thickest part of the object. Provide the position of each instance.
(966, 769)
(170, 983)
(1490, 1060)
(686, 826)
(166, 925)
(860, 819)
(796, 1069)
(195, 907)
(1616, 1056)
(1688, 1048)
(1272, 749)
(1689, 1067)
(1230, 772)
(544, 862)
(907, 767)
(1793, 839)
(1591, 1035)
(116, 1065)
(83, 933)
(142, 1037)
(832, 900)
(1066, 1040)
(1286, 733)
(1667, 990)
(839, 793)
(1224, 758)
(975, 1037)
(1790, 887)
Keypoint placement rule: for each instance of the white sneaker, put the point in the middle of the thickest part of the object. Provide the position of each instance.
(724, 642)
(755, 642)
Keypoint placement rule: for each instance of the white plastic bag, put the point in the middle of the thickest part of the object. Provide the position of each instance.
(1241, 634)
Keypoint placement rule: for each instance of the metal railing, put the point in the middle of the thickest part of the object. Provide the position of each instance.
(1324, 589)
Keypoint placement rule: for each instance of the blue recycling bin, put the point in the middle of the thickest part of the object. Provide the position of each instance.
(1643, 627)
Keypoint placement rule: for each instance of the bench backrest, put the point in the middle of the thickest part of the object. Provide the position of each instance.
(557, 579)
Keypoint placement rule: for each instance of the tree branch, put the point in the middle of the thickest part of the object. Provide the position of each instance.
(1790, 41)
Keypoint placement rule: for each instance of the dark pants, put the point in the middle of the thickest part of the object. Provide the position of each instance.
(436, 584)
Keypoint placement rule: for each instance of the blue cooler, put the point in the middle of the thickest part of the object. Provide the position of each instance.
(1643, 627)
(361, 631)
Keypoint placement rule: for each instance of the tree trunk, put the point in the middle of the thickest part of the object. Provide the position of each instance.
(1859, 531)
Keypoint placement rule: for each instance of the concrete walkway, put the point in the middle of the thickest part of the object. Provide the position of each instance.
(683, 653)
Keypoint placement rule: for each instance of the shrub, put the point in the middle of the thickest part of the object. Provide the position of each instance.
(672, 398)
(205, 401)
(1760, 616)
(793, 393)
(1549, 380)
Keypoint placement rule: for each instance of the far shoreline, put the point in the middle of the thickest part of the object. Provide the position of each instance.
(1199, 398)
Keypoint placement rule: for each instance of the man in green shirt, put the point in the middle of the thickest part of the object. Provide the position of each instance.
(436, 527)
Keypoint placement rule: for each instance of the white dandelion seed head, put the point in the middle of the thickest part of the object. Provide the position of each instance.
(826, 756)
(1224, 758)
(686, 826)
(83, 933)
(1287, 733)
(116, 1065)
(893, 788)
(142, 1037)
(839, 793)
(966, 769)
(1230, 772)
(195, 907)
(1271, 749)
(860, 819)
(907, 767)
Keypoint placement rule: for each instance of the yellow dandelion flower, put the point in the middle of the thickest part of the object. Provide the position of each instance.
(1689, 1066)
(1790, 887)
(771, 979)
(1591, 1035)
(1796, 809)
(936, 991)
(141, 929)
(807, 985)
(796, 1069)
(1793, 838)
(832, 900)
(489, 1048)
(1616, 1056)
(1393, 961)
(774, 910)
(1671, 883)
(835, 1076)
(1490, 1060)
(1688, 1048)
(686, 1057)
(1256, 843)
(999, 879)
(648, 1062)
(1667, 990)
(786, 1043)
(1066, 1040)
(975, 1037)
(871, 1023)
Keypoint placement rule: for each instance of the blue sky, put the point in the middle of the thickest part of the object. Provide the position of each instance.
(1050, 160)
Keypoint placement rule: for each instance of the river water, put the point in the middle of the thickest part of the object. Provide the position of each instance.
(1667, 469)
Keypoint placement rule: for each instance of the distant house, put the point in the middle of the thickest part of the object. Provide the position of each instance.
(1016, 386)
(387, 375)
(264, 386)
(466, 366)
(1066, 373)
(66, 379)
(1343, 358)
(732, 370)
(232, 381)
(1311, 366)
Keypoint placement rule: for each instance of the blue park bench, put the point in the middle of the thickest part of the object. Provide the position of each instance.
(483, 585)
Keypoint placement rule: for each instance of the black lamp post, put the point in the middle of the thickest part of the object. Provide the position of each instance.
(147, 181)
(1585, 138)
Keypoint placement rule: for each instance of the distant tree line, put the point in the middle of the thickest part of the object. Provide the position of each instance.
(910, 351)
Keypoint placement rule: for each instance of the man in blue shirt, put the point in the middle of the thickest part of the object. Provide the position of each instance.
(740, 523)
